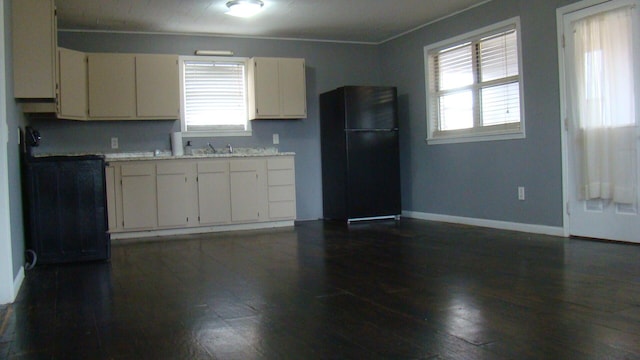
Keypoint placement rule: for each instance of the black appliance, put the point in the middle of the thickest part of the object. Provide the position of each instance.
(65, 206)
(360, 153)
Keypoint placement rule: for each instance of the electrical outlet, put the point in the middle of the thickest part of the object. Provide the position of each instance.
(276, 139)
(521, 194)
(114, 143)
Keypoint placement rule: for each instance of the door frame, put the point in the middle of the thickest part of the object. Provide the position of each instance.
(564, 125)
(7, 287)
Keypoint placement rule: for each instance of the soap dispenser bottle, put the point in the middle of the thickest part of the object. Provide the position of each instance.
(187, 148)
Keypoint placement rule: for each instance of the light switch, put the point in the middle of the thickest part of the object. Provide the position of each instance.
(276, 139)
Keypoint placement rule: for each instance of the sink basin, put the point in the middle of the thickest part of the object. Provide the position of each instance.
(123, 155)
(236, 151)
(202, 152)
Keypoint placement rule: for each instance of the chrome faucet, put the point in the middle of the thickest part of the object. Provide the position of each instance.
(230, 148)
(212, 148)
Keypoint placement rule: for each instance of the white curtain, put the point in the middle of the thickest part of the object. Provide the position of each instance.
(606, 123)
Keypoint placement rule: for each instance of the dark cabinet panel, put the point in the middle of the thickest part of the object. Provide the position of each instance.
(66, 209)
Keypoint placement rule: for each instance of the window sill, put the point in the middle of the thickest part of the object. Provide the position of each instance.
(475, 138)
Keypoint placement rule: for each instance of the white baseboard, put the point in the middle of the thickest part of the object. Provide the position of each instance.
(197, 230)
(17, 282)
(503, 225)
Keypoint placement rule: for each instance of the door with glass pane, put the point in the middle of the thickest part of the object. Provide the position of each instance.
(601, 78)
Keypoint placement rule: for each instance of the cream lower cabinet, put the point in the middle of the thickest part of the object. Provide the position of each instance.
(281, 188)
(110, 174)
(138, 195)
(179, 194)
(214, 197)
(248, 190)
(173, 193)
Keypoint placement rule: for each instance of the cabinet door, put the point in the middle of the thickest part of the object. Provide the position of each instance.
(34, 49)
(214, 200)
(282, 189)
(266, 90)
(157, 86)
(72, 80)
(173, 193)
(248, 190)
(112, 86)
(110, 176)
(139, 207)
(293, 92)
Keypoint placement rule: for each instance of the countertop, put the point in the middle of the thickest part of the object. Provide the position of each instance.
(166, 155)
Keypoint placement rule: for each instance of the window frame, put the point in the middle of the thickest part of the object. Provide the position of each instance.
(217, 132)
(477, 133)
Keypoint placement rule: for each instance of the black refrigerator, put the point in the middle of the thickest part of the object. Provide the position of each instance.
(360, 154)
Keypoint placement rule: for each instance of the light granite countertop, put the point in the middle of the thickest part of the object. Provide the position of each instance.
(167, 155)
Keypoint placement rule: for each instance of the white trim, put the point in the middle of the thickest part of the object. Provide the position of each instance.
(475, 134)
(198, 230)
(371, 43)
(494, 224)
(213, 133)
(434, 21)
(566, 188)
(7, 288)
(275, 37)
(385, 217)
(17, 282)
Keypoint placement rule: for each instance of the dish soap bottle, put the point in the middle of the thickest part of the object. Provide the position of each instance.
(187, 148)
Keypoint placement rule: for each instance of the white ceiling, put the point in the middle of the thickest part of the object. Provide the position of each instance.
(368, 21)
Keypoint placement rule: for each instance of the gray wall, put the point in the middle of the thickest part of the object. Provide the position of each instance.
(477, 180)
(15, 120)
(329, 65)
(480, 180)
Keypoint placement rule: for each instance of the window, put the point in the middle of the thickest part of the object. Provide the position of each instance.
(474, 86)
(214, 96)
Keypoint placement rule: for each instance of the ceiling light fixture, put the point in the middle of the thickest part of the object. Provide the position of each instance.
(244, 8)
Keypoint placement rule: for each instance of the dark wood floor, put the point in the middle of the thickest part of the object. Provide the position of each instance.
(413, 290)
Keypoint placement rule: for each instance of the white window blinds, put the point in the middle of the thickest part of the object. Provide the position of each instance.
(214, 95)
(474, 85)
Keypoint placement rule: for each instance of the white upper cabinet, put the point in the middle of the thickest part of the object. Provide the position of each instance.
(72, 84)
(277, 88)
(34, 49)
(131, 86)
(293, 94)
(157, 86)
(112, 86)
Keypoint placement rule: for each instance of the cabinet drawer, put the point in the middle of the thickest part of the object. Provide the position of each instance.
(138, 169)
(281, 177)
(170, 167)
(285, 209)
(280, 163)
(245, 165)
(282, 193)
(213, 167)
